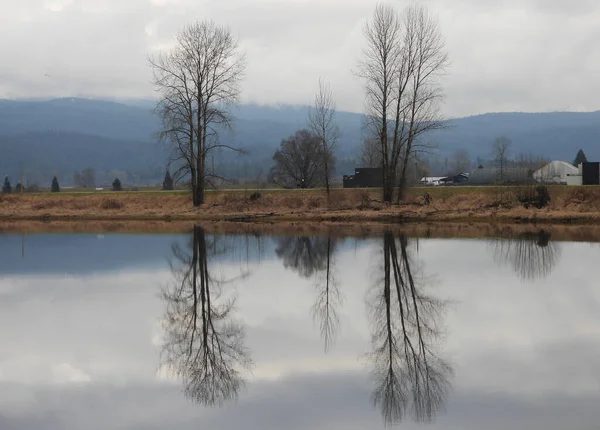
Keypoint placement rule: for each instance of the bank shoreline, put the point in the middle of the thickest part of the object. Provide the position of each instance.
(547, 218)
(566, 207)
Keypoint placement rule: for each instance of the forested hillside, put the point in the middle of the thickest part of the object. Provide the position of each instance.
(62, 136)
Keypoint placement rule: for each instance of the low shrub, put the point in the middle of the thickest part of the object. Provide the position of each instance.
(111, 204)
(255, 196)
(314, 202)
(365, 201)
(535, 195)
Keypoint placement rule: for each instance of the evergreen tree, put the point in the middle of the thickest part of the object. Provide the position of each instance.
(19, 188)
(168, 182)
(55, 187)
(116, 185)
(580, 158)
(7, 188)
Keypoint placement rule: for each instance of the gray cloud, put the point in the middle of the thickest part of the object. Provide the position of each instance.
(506, 55)
(302, 401)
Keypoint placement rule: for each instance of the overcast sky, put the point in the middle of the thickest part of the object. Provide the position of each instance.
(524, 55)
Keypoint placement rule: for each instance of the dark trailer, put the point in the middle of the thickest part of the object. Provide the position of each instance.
(364, 177)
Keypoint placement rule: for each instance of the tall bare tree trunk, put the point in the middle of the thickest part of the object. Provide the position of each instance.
(321, 120)
(402, 60)
(198, 81)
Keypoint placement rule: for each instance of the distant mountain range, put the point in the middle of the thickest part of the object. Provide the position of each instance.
(61, 136)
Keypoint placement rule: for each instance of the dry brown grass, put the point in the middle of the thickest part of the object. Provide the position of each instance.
(111, 204)
(567, 205)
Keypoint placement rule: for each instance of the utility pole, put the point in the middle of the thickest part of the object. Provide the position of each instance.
(21, 175)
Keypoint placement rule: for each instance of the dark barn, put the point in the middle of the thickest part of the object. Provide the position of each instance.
(590, 173)
(364, 177)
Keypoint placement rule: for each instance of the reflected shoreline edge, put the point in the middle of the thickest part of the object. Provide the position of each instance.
(455, 230)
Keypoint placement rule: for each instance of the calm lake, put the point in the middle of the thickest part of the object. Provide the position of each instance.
(196, 330)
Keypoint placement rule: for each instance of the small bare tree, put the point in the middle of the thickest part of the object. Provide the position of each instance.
(321, 120)
(501, 148)
(370, 154)
(198, 82)
(461, 161)
(85, 179)
(403, 60)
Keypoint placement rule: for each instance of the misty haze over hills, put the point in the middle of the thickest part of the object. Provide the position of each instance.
(61, 136)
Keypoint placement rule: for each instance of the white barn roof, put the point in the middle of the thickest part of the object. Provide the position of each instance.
(555, 172)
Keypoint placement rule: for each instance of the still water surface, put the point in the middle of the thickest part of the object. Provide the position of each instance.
(228, 332)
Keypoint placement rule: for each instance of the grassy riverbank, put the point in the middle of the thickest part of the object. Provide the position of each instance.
(485, 204)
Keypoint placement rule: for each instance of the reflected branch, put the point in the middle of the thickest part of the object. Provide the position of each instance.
(531, 255)
(329, 298)
(204, 345)
(303, 254)
(409, 375)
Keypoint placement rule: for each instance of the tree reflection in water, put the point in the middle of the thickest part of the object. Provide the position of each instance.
(203, 344)
(531, 255)
(313, 256)
(303, 254)
(329, 298)
(410, 377)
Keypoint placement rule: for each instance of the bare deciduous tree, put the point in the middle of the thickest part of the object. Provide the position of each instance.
(85, 179)
(461, 161)
(299, 161)
(404, 58)
(530, 161)
(420, 93)
(321, 120)
(501, 148)
(198, 82)
(379, 70)
(371, 152)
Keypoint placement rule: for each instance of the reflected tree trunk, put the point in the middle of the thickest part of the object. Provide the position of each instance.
(313, 257)
(329, 298)
(410, 377)
(203, 344)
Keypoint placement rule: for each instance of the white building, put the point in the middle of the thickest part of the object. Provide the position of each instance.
(556, 172)
(432, 180)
